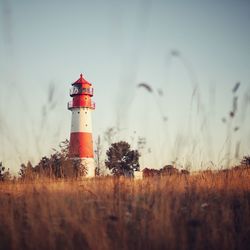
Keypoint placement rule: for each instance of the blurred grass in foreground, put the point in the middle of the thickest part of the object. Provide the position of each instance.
(203, 211)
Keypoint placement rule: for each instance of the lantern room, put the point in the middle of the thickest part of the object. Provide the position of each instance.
(81, 92)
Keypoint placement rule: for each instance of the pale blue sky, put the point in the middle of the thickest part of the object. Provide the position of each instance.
(116, 45)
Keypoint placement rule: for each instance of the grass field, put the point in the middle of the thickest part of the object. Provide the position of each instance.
(202, 211)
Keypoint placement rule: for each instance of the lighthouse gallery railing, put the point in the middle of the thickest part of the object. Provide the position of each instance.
(71, 105)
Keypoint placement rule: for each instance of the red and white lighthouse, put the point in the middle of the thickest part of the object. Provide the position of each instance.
(81, 141)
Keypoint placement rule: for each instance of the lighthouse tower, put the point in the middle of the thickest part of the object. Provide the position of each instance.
(81, 142)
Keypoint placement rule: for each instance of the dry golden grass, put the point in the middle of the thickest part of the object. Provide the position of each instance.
(204, 211)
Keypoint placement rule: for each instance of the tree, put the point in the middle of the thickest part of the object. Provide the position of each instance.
(4, 174)
(150, 172)
(44, 167)
(79, 168)
(57, 165)
(2, 168)
(26, 171)
(169, 170)
(245, 161)
(121, 159)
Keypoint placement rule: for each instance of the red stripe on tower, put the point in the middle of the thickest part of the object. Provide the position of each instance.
(81, 142)
(81, 145)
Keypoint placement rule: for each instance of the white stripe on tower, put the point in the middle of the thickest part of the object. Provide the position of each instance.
(81, 120)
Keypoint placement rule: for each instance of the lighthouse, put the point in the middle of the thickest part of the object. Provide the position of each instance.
(81, 141)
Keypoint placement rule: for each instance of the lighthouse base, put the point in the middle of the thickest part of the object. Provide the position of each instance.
(89, 163)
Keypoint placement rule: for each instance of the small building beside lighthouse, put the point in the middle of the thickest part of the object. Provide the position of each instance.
(81, 139)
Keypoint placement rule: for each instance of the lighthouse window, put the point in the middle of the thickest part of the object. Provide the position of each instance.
(78, 112)
(85, 112)
(86, 125)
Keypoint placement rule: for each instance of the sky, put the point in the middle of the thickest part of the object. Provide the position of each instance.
(190, 53)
